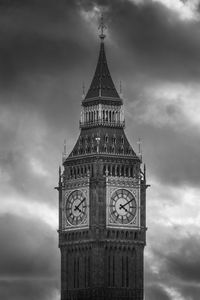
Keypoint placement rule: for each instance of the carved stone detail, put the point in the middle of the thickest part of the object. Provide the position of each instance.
(133, 186)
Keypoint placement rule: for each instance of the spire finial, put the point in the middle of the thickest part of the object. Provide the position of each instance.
(64, 154)
(83, 89)
(102, 27)
(139, 148)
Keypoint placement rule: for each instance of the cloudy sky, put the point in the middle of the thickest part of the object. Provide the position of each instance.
(47, 49)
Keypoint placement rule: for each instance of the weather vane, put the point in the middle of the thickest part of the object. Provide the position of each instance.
(102, 27)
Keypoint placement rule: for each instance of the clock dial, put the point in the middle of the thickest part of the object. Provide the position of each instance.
(122, 206)
(76, 208)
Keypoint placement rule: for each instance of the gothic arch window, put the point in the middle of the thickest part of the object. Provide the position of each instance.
(104, 172)
(122, 171)
(106, 116)
(114, 139)
(122, 139)
(113, 171)
(129, 150)
(127, 171)
(116, 116)
(103, 115)
(118, 173)
(109, 170)
(109, 116)
(113, 116)
(88, 149)
(106, 138)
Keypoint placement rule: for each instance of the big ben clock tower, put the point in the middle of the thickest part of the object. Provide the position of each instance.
(102, 196)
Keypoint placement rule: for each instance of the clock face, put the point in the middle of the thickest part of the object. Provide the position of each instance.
(76, 208)
(122, 206)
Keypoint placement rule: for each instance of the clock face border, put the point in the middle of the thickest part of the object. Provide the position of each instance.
(76, 208)
(66, 224)
(123, 207)
(135, 222)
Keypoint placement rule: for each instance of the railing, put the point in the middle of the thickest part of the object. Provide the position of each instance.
(102, 123)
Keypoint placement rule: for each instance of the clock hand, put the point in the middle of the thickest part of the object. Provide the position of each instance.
(77, 206)
(126, 210)
(122, 206)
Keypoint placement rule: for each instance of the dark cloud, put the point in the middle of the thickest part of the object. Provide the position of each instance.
(28, 248)
(159, 43)
(166, 154)
(32, 290)
(177, 267)
(29, 261)
(183, 262)
(39, 37)
(47, 49)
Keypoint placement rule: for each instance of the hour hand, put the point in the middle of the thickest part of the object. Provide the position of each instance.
(77, 208)
(123, 205)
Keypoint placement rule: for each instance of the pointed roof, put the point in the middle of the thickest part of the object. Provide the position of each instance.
(102, 85)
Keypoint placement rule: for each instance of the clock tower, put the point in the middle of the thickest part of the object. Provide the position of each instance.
(102, 201)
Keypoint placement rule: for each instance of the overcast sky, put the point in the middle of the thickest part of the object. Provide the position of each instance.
(47, 49)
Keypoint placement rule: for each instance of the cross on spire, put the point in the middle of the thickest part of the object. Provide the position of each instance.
(102, 27)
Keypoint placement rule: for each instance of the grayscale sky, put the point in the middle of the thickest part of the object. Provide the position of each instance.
(47, 49)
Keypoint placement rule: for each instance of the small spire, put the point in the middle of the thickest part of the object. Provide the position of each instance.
(144, 172)
(64, 154)
(59, 180)
(59, 172)
(102, 27)
(139, 148)
(120, 89)
(83, 90)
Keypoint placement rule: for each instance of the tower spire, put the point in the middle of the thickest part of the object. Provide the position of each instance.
(102, 85)
(102, 27)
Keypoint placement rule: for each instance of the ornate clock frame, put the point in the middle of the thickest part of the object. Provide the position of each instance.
(133, 186)
(72, 185)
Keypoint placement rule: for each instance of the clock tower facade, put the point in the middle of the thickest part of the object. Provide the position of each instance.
(102, 201)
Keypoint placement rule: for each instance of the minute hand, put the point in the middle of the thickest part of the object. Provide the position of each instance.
(77, 206)
(122, 206)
